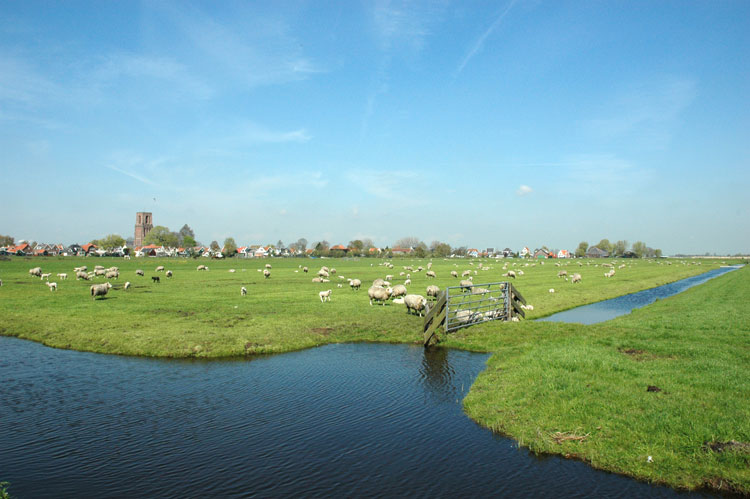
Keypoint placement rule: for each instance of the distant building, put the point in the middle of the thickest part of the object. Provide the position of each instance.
(144, 222)
(594, 252)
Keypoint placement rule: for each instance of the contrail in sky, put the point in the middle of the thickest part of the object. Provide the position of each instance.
(480, 41)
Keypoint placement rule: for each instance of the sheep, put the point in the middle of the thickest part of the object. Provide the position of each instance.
(454, 274)
(155, 278)
(551, 290)
(325, 295)
(430, 274)
(355, 284)
(51, 285)
(35, 272)
(322, 273)
(1, 282)
(466, 273)
(378, 293)
(113, 269)
(63, 276)
(169, 273)
(610, 273)
(562, 273)
(140, 272)
(479, 291)
(398, 290)
(389, 277)
(112, 275)
(433, 291)
(243, 291)
(333, 271)
(82, 275)
(126, 257)
(160, 268)
(232, 271)
(317, 279)
(406, 282)
(418, 303)
(466, 284)
(510, 273)
(576, 278)
(99, 290)
(323, 279)
(429, 266)
(464, 316)
(127, 285)
(84, 268)
(266, 273)
(100, 272)
(339, 285)
(379, 282)
(399, 301)
(420, 268)
(45, 276)
(268, 265)
(98, 267)
(305, 270)
(202, 267)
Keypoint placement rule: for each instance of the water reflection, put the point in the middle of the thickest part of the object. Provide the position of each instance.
(437, 373)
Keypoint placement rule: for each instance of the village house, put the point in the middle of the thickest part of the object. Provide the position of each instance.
(595, 252)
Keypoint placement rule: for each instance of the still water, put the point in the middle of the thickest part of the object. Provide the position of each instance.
(341, 420)
(609, 309)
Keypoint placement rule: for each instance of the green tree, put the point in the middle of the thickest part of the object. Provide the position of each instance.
(6, 240)
(605, 245)
(421, 250)
(639, 248)
(619, 248)
(407, 242)
(357, 245)
(581, 249)
(186, 232)
(657, 253)
(109, 242)
(460, 251)
(162, 236)
(189, 241)
(214, 246)
(230, 248)
(367, 243)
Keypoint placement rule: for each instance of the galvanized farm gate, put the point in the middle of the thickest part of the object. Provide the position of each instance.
(462, 306)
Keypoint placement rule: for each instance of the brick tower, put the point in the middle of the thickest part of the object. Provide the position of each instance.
(144, 222)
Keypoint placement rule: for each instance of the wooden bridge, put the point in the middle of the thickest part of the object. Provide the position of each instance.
(463, 306)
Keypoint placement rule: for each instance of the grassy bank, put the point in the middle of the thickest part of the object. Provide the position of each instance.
(582, 391)
(574, 390)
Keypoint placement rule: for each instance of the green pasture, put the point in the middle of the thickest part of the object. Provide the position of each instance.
(579, 391)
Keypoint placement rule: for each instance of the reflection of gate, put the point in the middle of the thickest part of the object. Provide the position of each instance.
(462, 306)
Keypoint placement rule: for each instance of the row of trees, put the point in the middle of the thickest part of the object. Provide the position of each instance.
(619, 248)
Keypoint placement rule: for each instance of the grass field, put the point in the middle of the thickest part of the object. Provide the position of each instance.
(560, 388)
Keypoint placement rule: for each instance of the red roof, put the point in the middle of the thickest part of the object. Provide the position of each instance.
(339, 247)
(87, 247)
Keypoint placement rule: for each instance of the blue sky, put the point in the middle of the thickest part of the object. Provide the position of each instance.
(510, 123)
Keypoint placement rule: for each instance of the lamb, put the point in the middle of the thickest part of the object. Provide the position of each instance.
(418, 303)
(45, 276)
(378, 293)
(160, 268)
(429, 266)
(454, 274)
(112, 275)
(389, 277)
(266, 272)
(140, 272)
(398, 290)
(355, 283)
(51, 285)
(333, 271)
(99, 290)
(127, 285)
(98, 272)
(202, 267)
(317, 279)
(169, 273)
(433, 291)
(406, 282)
(551, 290)
(325, 295)
(243, 291)
(430, 274)
(339, 285)
(36, 272)
(62, 276)
(82, 275)
(155, 278)
(576, 278)
(466, 273)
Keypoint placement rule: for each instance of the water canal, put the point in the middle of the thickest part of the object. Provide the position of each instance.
(339, 420)
(615, 307)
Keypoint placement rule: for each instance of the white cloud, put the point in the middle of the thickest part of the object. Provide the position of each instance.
(524, 190)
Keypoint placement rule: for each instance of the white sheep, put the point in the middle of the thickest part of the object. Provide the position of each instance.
(466, 284)
(268, 265)
(551, 290)
(398, 290)
(576, 278)
(141, 273)
(418, 303)
(112, 275)
(510, 273)
(160, 268)
(407, 282)
(82, 275)
(355, 283)
(266, 273)
(51, 285)
(243, 291)
(433, 291)
(45, 276)
(169, 273)
(99, 289)
(232, 271)
(127, 285)
(62, 276)
(378, 293)
(430, 274)
(325, 295)
(454, 274)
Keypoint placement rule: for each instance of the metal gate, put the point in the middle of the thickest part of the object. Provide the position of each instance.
(462, 306)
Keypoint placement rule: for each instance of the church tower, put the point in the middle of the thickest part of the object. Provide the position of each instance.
(144, 222)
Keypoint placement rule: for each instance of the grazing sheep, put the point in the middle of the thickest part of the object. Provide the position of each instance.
(333, 271)
(610, 273)
(80, 269)
(378, 293)
(325, 295)
(243, 291)
(576, 278)
(379, 282)
(82, 275)
(510, 273)
(140, 272)
(562, 273)
(339, 285)
(113, 269)
(112, 275)
(465, 273)
(317, 279)
(433, 291)
(399, 301)
(232, 271)
(127, 257)
(430, 274)
(322, 273)
(51, 285)
(45, 276)
(99, 290)
(398, 290)
(479, 291)
(98, 267)
(63, 276)
(268, 265)
(266, 272)
(406, 282)
(355, 283)
(323, 279)
(160, 268)
(551, 290)
(202, 267)
(305, 270)
(454, 274)
(169, 273)
(466, 284)
(98, 272)
(155, 278)
(127, 285)
(429, 266)
(418, 303)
